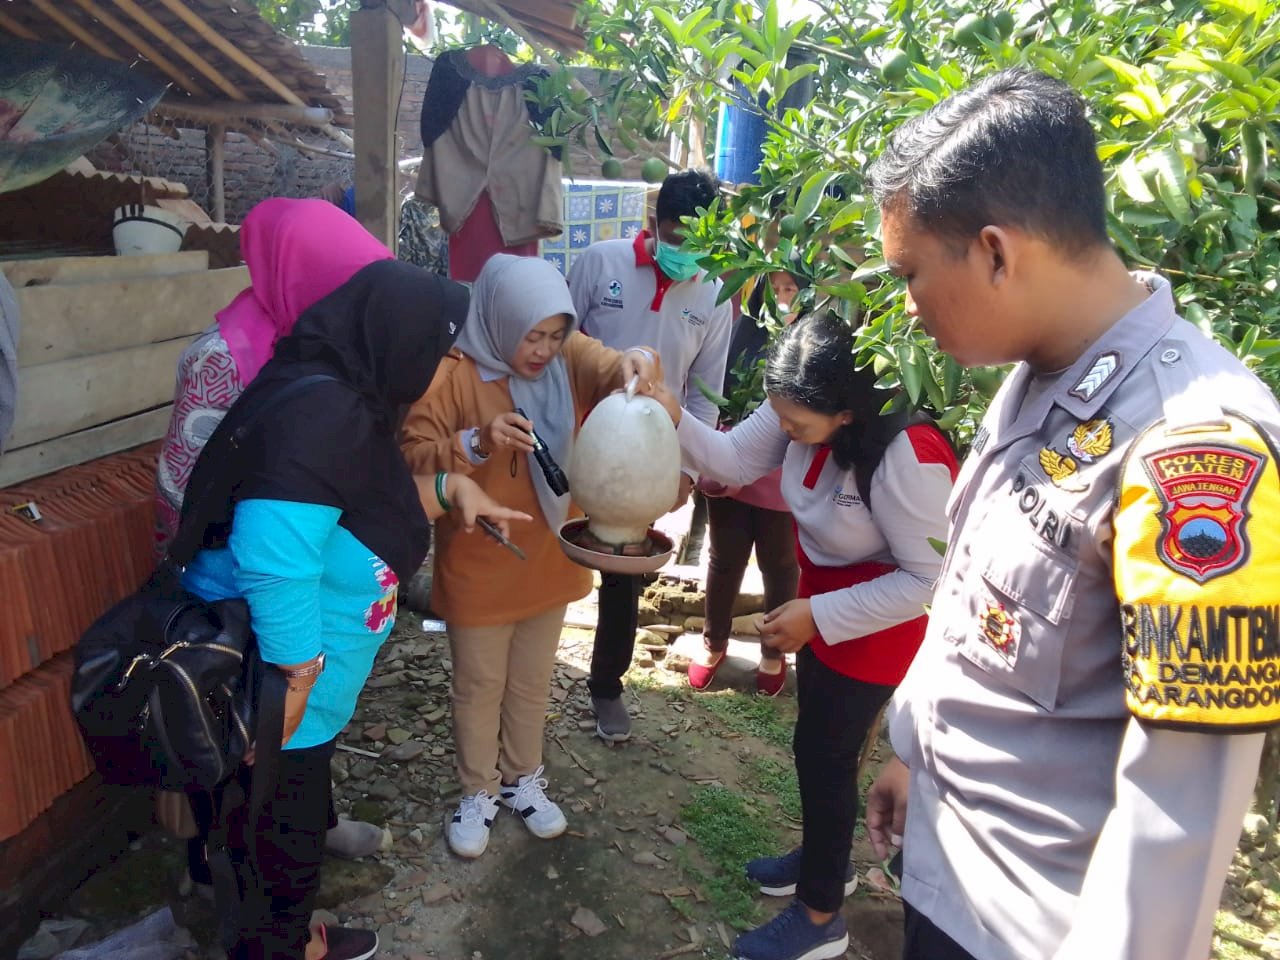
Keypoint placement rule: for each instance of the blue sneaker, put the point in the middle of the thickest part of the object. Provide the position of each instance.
(791, 935)
(778, 876)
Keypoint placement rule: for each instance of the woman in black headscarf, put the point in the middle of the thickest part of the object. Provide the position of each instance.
(325, 521)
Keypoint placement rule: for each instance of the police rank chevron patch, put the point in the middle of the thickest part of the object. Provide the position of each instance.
(1100, 371)
(1197, 574)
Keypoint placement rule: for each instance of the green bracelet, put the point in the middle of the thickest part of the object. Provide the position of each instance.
(445, 505)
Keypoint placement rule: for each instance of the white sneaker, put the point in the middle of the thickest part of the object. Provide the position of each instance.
(468, 831)
(540, 815)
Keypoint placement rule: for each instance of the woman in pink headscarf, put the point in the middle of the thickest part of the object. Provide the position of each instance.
(298, 252)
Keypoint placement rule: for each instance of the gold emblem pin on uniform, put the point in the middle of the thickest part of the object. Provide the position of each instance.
(1090, 440)
(1057, 466)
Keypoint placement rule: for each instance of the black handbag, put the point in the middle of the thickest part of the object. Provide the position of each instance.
(166, 685)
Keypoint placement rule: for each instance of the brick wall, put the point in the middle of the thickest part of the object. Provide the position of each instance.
(255, 171)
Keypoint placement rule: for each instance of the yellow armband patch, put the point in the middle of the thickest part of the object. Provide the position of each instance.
(1197, 573)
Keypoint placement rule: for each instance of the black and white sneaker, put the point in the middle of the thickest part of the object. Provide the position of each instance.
(528, 798)
(468, 831)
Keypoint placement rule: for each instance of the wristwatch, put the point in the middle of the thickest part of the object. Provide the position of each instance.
(474, 444)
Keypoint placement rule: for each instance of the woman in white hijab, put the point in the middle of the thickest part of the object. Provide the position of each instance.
(520, 348)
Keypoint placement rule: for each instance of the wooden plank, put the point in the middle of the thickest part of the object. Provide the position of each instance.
(377, 67)
(60, 323)
(76, 31)
(214, 143)
(38, 459)
(34, 273)
(56, 399)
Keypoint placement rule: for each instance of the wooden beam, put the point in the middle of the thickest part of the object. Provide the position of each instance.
(500, 12)
(72, 395)
(221, 111)
(215, 154)
(40, 458)
(162, 33)
(71, 321)
(377, 66)
(406, 11)
(75, 30)
(139, 44)
(14, 27)
(232, 52)
(66, 271)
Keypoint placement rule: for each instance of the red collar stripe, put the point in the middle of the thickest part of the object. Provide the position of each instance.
(644, 258)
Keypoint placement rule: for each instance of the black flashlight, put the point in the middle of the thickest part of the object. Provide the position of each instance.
(556, 479)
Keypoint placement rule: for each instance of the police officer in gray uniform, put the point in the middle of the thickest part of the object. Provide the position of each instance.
(1078, 737)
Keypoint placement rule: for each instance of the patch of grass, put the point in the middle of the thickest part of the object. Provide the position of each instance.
(763, 717)
(777, 780)
(729, 830)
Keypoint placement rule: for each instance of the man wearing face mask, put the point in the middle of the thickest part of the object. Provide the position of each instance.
(650, 291)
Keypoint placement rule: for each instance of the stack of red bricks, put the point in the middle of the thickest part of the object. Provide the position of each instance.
(91, 545)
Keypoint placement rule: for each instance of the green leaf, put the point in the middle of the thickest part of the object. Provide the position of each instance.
(1125, 71)
(1171, 183)
(1253, 157)
(677, 102)
(669, 24)
(848, 214)
(848, 290)
(951, 374)
(1133, 183)
(771, 23)
(732, 282)
(601, 142)
(910, 373)
(811, 193)
(951, 419)
(718, 399)
(931, 385)
(1237, 74)
(941, 547)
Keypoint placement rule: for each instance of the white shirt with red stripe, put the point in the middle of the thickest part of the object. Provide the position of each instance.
(909, 492)
(622, 299)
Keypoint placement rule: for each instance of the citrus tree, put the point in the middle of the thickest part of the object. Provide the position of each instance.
(1184, 98)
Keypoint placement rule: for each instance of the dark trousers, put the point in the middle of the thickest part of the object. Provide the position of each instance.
(836, 714)
(736, 528)
(275, 912)
(924, 941)
(616, 624)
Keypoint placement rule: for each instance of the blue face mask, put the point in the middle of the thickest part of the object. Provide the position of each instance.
(675, 263)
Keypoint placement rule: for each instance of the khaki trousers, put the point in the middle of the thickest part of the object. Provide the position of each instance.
(501, 678)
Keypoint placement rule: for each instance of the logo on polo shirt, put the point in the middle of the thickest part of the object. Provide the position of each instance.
(842, 499)
(695, 319)
(614, 299)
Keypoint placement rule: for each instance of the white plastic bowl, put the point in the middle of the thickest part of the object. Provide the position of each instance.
(137, 230)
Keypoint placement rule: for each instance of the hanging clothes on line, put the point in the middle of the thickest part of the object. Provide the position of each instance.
(477, 131)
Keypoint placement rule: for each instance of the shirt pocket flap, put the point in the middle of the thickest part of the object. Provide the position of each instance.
(1019, 620)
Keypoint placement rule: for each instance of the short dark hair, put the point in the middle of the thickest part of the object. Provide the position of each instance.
(1014, 149)
(813, 364)
(681, 194)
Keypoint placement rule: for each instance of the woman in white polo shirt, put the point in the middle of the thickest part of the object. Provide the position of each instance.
(868, 492)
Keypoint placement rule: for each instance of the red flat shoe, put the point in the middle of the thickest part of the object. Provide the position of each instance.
(771, 684)
(700, 677)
